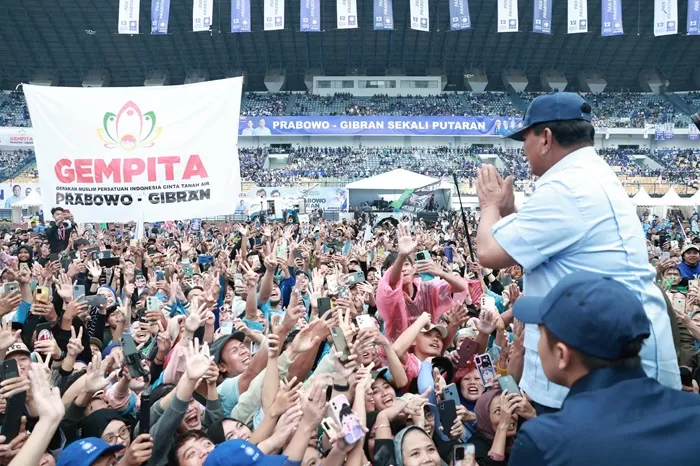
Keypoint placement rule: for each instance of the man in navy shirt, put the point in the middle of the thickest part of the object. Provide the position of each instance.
(592, 329)
(690, 265)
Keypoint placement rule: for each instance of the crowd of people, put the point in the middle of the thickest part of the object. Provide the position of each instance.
(13, 160)
(508, 336)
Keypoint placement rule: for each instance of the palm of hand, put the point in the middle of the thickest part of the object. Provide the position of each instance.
(65, 291)
(7, 339)
(95, 382)
(48, 404)
(193, 322)
(407, 245)
(197, 366)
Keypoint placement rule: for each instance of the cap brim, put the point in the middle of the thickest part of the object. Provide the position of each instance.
(240, 336)
(528, 309)
(518, 135)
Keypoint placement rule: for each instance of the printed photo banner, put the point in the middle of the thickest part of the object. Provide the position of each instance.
(611, 18)
(129, 16)
(459, 15)
(328, 199)
(240, 16)
(693, 26)
(377, 126)
(666, 17)
(577, 16)
(310, 16)
(420, 20)
(11, 193)
(151, 153)
(384, 15)
(507, 16)
(160, 14)
(542, 16)
(346, 14)
(202, 11)
(273, 10)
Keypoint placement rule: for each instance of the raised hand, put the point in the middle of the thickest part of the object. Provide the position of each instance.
(406, 243)
(94, 378)
(139, 452)
(94, 269)
(47, 401)
(287, 396)
(487, 321)
(10, 302)
(64, 287)
(8, 337)
(196, 360)
(75, 345)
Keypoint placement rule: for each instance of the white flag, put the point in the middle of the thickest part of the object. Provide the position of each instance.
(507, 16)
(273, 10)
(121, 154)
(578, 16)
(346, 11)
(665, 17)
(201, 14)
(129, 16)
(420, 20)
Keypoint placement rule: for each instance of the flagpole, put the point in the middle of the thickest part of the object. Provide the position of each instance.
(464, 218)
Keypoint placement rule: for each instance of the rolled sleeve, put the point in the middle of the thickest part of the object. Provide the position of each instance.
(549, 222)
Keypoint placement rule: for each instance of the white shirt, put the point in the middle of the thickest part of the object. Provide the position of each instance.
(581, 219)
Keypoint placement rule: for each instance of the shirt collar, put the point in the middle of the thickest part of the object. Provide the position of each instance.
(569, 160)
(604, 378)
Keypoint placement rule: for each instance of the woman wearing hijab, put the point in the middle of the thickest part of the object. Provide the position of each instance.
(414, 447)
(25, 255)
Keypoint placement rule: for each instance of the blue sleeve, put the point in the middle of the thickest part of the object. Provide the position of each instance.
(220, 301)
(525, 452)
(22, 312)
(425, 381)
(286, 287)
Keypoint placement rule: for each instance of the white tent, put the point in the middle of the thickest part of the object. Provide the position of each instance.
(32, 200)
(671, 198)
(395, 180)
(642, 198)
(696, 198)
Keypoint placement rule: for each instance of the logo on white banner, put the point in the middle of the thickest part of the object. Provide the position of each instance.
(577, 16)
(129, 16)
(420, 17)
(507, 16)
(273, 10)
(201, 15)
(665, 17)
(346, 11)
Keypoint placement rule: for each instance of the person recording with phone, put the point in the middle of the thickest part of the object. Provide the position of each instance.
(59, 230)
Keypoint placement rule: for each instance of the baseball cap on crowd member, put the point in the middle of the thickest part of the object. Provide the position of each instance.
(18, 347)
(219, 343)
(442, 330)
(688, 247)
(560, 106)
(579, 313)
(241, 453)
(86, 451)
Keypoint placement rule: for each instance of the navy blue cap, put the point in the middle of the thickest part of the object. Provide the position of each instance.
(589, 312)
(559, 106)
(241, 453)
(86, 451)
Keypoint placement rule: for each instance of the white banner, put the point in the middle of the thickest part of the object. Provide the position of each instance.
(116, 154)
(16, 138)
(202, 11)
(274, 15)
(420, 20)
(129, 16)
(346, 11)
(665, 17)
(507, 16)
(577, 16)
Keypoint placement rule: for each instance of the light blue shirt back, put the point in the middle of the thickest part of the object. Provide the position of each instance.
(581, 219)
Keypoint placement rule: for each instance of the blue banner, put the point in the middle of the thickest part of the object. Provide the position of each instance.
(240, 15)
(377, 126)
(459, 15)
(160, 12)
(693, 17)
(542, 16)
(611, 18)
(659, 134)
(694, 137)
(383, 15)
(310, 16)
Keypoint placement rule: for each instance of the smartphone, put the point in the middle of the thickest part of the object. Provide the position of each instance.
(327, 427)
(465, 352)
(340, 343)
(674, 244)
(226, 328)
(78, 290)
(132, 357)
(276, 318)
(364, 321)
(43, 331)
(152, 303)
(332, 283)
(506, 279)
(486, 369)
(188, 270)
(10, 287)
(255, 261)
(53, 257)
(451, 392)
(23, 266)
(160, 275)
(145, 412)
(343, 291)
(281, 250)
(679, 304)
(507, 382)
(464, 455)
(665, 255)
(14, 409)
(43, 294)
(324, 305)
(258, 241)
(95, 300)
(357, 277)
(347, 419)
(694, 283)
(447, 410)
(449, 253)
(423, 256)
(298, 254)
(488, 302)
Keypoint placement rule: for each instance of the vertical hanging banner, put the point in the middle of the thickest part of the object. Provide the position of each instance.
(383, 15)
(459, 15)
(120, 154)
(693, 27)
(346, 14)
(611, 18)
(201, 14)
(310, 16)
(542, 16)
(507, 16)
(160, 13)
(129, 16)
(273, 10)
(577, 16)
(240, 16)
(666, 17)
(420, 20)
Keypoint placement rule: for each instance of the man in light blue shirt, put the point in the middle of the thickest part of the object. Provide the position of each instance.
(579, 218)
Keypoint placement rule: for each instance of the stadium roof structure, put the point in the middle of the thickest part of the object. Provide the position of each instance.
(72, 38)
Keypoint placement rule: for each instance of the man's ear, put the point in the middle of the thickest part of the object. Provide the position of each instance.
(564, 356)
